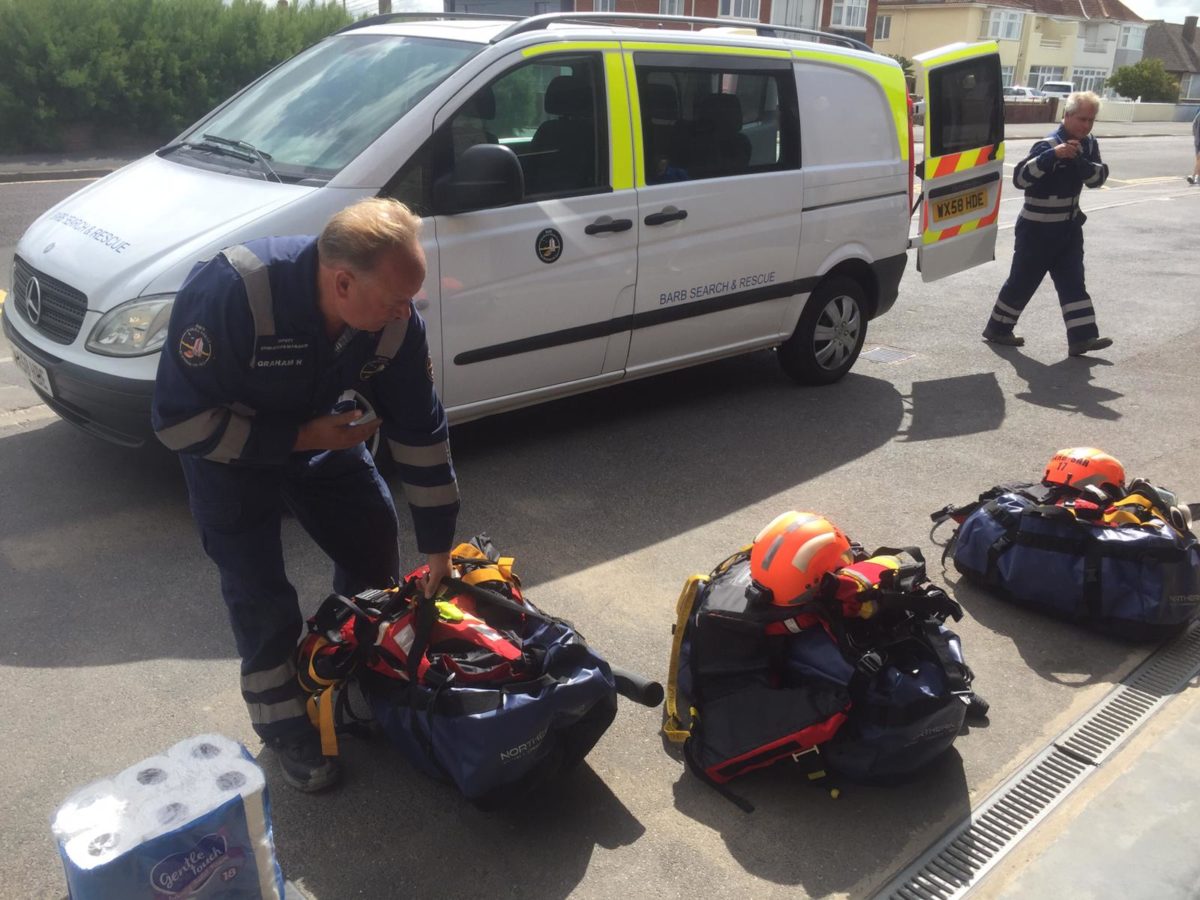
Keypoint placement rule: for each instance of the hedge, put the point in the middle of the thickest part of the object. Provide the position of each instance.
(122, 71)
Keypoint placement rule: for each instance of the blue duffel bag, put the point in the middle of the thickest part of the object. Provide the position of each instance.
(1136, 581)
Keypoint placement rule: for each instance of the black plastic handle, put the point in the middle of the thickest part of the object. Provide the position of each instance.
(667, 215)
(604, 224)
(637, 688)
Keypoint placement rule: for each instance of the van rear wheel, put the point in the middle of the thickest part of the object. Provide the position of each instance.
(830, 333)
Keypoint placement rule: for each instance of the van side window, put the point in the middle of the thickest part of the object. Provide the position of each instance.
(847, 116)
(968, 107)
(552, 113)
(712, 119)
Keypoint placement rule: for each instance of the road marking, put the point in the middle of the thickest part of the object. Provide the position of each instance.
(50, 181)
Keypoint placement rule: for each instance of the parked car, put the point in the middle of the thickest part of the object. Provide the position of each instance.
(1016, 92)
(1058, 88)
(600, 204)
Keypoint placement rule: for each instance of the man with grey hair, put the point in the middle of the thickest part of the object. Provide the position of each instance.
(1049, 229)
(264, 340)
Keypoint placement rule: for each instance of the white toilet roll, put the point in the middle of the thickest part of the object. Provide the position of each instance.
(163, 814)
(150, 778)
(205, 748)
(94, 806)
(233, 777)
(98, 846)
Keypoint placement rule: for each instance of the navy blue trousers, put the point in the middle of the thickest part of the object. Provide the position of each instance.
(343, 503)
(1047, 247)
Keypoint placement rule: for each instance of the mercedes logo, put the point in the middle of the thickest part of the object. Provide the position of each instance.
(33, 301)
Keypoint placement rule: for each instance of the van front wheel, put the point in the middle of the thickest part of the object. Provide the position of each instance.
(830, 333)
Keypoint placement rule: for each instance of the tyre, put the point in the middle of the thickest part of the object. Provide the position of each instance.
(830, 333)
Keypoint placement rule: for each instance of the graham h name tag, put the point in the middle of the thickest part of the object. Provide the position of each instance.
(281, 353)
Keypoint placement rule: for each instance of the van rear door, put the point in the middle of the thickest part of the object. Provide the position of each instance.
(964, 157)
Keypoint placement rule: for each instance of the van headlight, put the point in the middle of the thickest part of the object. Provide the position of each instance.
(136, 328)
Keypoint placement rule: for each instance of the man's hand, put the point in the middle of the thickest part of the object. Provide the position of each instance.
(1067, 150)
(334, 432)
(439, 568)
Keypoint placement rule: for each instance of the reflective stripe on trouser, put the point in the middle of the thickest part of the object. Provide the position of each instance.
(339, 498)
(1037, 249)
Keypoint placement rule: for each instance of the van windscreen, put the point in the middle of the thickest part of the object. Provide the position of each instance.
(316, 112)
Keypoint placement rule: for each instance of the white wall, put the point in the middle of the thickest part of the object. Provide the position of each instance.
(1128, 111)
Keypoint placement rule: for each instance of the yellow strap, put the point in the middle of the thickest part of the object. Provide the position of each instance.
(482, 575)
(675, 730)
(505, 565)
(312, 672)
(329, 741)
(468, 550)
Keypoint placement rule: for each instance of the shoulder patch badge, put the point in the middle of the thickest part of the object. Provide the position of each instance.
(373, 366)
(195, 346)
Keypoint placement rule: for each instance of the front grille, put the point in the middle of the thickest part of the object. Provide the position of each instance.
(63, 307)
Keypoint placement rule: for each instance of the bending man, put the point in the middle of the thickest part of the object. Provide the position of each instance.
(263, 340)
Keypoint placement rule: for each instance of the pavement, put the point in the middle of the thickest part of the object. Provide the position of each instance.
(52, 166)
(1130, 830)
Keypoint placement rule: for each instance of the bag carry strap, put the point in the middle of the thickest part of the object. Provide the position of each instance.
(676, 732)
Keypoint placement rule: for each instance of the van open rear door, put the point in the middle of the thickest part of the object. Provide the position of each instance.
(963, 166)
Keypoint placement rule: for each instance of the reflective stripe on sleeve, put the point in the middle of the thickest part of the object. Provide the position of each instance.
(233, 441)
(1051, 201)
(432, 455)
(442, 495)
(191, 431)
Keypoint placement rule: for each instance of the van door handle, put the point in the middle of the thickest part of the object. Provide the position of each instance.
(670, 214)
(604, 223)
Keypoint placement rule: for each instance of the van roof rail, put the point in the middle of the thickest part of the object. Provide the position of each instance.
(762, 29)
(426, 17)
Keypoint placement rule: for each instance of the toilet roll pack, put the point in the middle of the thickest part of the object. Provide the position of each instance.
(194, 821)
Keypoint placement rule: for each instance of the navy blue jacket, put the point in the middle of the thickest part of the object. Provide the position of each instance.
(1052, 185)
(247, 361)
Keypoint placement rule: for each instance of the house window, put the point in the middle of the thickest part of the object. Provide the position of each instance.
(1131, 37)
(670, 7)
(883, 28)
(1039, 75)
(1007, 73)
(1089, 79)
(1002, 25)
(1189, 87)
(739, 9)
(849, 14)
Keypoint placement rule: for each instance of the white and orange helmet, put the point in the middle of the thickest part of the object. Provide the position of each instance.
(793, 553)
(1082, 467)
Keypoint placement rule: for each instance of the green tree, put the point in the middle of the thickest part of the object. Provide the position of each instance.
(137, 68)
(1146, 79)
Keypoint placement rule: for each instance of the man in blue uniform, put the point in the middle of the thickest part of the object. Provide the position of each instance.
(1049, 230)
(263, 340)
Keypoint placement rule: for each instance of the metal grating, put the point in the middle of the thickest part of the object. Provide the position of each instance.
(962, 857)
(63, 307)
(886, 354)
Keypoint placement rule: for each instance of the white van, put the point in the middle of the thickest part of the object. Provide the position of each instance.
(1057, 88)
(602, 201)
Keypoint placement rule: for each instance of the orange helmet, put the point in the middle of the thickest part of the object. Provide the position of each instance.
(1081, 467)
(792, 554)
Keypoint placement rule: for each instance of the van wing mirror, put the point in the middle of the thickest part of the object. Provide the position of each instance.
(485, 176)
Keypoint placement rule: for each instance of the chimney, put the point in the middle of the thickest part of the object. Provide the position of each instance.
(1189, 30)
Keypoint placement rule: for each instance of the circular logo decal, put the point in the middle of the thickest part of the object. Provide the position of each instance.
(373, 366)
(195, 346)
(549, 245)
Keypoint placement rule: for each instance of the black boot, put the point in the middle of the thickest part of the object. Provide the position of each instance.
(302, 764)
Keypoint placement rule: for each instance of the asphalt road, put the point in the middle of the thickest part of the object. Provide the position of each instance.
(114, 643)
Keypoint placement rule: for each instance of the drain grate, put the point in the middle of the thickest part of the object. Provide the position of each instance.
(970, 849)
(886, 354)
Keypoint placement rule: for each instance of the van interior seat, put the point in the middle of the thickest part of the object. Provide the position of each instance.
(565, 146)
(718, 146)
(660, 133)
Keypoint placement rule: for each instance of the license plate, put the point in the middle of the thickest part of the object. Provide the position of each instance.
(955, 205)
(35, 371)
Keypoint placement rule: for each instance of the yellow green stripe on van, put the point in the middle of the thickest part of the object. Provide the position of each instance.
(621, 119)
(635, 119)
